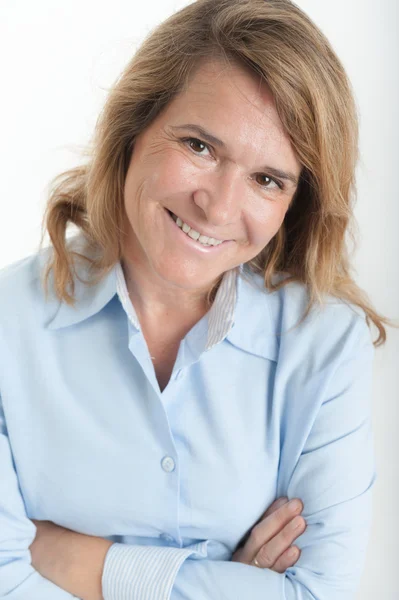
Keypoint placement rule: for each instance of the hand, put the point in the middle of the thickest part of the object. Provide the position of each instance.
(270, 539)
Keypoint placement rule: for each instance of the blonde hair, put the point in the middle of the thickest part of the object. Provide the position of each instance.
(314, 100)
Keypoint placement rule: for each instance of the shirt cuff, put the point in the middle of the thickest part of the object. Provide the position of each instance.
(143, 572)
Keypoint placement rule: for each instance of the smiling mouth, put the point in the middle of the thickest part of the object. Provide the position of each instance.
(203, 239)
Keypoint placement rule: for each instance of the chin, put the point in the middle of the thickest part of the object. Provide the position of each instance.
(182, 277)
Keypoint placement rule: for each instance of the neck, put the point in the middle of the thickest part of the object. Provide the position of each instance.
(154, 302)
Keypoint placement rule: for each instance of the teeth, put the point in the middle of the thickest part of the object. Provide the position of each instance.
(195, 235)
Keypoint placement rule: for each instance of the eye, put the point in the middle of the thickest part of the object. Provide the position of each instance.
(192, 142)
(197, 146)
(275, 181)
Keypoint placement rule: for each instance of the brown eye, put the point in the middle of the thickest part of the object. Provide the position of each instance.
(264, 181)
(196, 145)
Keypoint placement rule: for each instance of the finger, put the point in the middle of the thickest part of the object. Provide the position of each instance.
(274, 506)
(286, 560)
(270, 552)
(269, 527)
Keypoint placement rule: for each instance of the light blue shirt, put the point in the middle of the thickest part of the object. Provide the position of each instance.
(255, 409)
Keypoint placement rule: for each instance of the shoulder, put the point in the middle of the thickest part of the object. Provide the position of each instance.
(18, 277)
(21, 290)
(330, 330)
(22, 282)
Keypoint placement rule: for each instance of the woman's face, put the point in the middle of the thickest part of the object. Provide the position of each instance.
(223, 188)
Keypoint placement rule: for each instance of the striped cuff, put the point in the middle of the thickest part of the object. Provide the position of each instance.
(144, 572)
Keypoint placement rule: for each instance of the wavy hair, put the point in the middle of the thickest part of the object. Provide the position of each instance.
(278, 42)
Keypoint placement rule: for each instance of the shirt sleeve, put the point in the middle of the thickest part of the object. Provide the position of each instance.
(333, 475)
(144, 572)
(18, 579)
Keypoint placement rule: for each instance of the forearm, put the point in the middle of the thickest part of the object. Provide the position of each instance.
(78, 564)
(72, 560)
(83, 576)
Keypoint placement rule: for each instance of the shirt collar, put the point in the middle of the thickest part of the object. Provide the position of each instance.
(89, 300)
(255, 327)
(239, 313)
(221, 313)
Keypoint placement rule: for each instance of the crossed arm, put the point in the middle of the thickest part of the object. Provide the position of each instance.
(333, 476)
(75, 561)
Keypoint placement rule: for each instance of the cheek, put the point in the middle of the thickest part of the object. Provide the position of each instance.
(151, 177)
(264, 226)
(169, 174)
(133, 193)
(176, 175)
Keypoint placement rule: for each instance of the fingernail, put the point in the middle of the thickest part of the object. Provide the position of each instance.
(281, 501)
(295, 505)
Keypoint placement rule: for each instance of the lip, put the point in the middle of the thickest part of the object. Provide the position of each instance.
(193, 243)
(194, 227)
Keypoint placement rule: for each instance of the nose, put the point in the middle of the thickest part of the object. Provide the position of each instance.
(220, 196)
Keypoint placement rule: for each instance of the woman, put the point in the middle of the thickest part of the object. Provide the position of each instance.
(198, 354)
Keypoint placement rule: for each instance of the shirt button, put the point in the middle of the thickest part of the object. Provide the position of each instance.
(168, 464)
(167, 537)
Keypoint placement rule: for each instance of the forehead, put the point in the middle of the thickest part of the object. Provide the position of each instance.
(230, 85)
(236, 105)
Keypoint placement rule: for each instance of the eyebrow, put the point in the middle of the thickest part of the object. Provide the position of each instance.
(208, 137)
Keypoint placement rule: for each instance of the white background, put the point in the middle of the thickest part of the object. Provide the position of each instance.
(57, 61)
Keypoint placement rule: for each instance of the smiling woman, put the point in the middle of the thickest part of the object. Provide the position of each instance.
(198, 354)
(218, 192)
